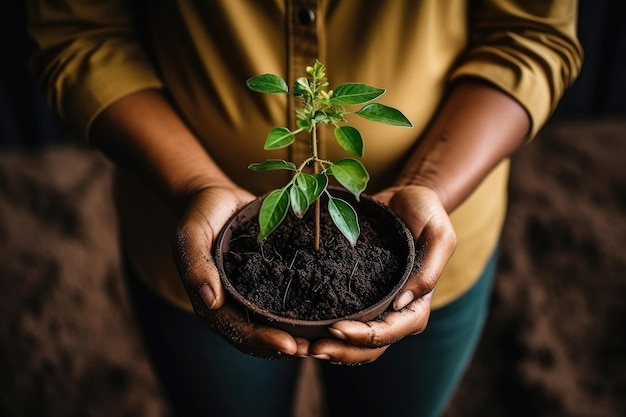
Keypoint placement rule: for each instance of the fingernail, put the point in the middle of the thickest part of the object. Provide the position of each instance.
(404, 300)
(207, 296)
(321, 356)
(337, 333)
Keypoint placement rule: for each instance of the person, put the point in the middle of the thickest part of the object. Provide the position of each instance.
(159, 87)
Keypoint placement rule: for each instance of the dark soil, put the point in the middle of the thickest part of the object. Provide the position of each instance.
(286, 276)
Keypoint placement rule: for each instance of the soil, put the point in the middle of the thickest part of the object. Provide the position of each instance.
(285, 275)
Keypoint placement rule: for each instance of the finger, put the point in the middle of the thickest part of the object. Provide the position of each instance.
(249, 336)
(436, 241)
(270, 353)
(341, 353)
(303, 347)
(391, 328)
(430, 261)
(207, 214)
(265, 353)
(192, 252)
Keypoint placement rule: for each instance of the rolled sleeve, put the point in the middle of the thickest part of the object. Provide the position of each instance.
(528, 49)
(87, 56)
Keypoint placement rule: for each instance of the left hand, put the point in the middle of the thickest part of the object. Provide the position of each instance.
(357, 342)
(207, 212)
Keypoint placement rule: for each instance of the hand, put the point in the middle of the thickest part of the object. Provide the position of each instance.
(205, 216)
(357, 342)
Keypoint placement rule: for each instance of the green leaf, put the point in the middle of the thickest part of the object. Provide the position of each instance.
(321, 182)
(311, 185)
(299, 201)
(279, 137)
(351, 174)
(267, 83)
(272, 165)
(304, 124)
(273, 211)
(302, 87)
(349, 138)
(384, 114)
(355, 93)
(345, 218)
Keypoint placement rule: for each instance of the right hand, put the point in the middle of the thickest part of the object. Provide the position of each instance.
(206, 214)
(356, 342)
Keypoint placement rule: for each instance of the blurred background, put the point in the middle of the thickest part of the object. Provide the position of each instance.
(555, 343)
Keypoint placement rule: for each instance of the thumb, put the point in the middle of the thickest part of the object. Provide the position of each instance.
(195, 236)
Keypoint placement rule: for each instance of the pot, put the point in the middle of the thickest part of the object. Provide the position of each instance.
(384, 219)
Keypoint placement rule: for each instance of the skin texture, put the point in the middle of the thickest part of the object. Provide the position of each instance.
(478, 126)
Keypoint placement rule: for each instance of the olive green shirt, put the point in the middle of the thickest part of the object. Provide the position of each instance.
(92, 53)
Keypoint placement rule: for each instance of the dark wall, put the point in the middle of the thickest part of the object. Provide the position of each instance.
(26, 121)
(600, 89)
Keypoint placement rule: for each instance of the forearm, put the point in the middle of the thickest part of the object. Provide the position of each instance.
(143, 134)
(477, 127)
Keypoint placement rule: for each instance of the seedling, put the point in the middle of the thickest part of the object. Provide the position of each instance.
(328, 107)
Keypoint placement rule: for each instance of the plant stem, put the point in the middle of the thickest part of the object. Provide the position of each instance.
(316, 169)
(318, 212)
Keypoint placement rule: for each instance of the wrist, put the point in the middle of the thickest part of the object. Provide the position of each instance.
(427, 175)
(186, 189)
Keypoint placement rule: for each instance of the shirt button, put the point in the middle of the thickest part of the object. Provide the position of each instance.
(306, 16)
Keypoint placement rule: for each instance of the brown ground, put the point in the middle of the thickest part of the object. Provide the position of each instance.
(554, 345)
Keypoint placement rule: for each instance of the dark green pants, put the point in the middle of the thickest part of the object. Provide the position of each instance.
(204, 376)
